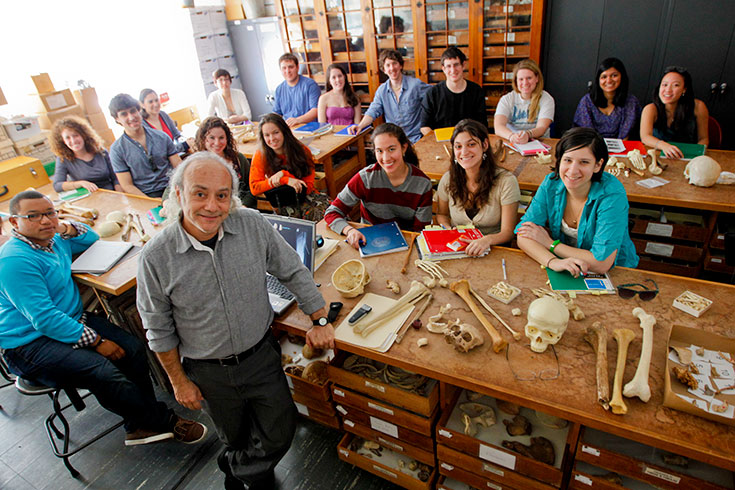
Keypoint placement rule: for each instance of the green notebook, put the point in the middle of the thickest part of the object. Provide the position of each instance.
(690, 150)
(73, 195)
(591, 283)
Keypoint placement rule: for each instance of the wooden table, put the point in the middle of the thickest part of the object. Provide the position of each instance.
(122, 277)
(573, 395)
(336, 176)
(434, 161)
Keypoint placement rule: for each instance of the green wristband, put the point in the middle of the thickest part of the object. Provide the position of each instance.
(553, 245)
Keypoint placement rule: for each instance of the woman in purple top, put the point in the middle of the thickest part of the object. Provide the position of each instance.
(339, 104)
(608, 108)
(81, 160)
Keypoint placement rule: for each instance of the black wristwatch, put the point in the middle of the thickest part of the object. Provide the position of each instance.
(320, 322)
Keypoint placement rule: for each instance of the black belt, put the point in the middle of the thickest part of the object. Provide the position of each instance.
(236, 359)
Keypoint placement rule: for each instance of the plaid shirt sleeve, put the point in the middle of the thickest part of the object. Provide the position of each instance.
(88, 335)
(81, 230)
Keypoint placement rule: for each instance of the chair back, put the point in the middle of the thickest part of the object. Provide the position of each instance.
(185, 115)
(714, 131)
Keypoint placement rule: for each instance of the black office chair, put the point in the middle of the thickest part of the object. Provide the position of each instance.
(5, 373)
(30, 388)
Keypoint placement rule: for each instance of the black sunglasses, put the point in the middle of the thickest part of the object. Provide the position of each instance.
(625, 291)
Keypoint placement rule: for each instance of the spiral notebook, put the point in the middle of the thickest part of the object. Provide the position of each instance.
(382, 239)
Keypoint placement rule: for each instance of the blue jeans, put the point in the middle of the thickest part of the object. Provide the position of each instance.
(122, 387)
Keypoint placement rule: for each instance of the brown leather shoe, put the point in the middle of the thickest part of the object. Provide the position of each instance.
(145, 436)
(189, 431)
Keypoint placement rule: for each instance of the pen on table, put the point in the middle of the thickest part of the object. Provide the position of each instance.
(505, 273)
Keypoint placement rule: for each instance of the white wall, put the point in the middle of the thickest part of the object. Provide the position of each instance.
(117, 46)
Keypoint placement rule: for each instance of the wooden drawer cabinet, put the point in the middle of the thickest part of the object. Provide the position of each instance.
(351, 415)
(464, 480)
(654, 230)
(325, 407)
(487, 443)
(386, 466)
(668, 250)
(586, 476)
(425, 454)
(646, 464)
(424, 404)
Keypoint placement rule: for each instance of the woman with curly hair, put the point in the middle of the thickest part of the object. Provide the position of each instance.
(475, 191)
(283, 170)
(528, 111)
(81, 160)
(214, 135)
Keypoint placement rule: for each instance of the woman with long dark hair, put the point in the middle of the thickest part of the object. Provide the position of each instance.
(674, 115)
(281, 160)
(393, 189)
(214, 135)
(584, 208)
(475, 191)
(608, 108)
(339, 104)
(155, 118)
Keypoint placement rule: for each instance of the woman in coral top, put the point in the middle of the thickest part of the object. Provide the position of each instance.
(282, 162)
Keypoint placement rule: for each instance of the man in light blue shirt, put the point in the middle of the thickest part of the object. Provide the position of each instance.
(399, 98)
(142, 157)
(297, 97)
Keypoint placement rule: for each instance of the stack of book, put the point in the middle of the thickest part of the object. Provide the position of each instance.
(440, 244)
(532, 148)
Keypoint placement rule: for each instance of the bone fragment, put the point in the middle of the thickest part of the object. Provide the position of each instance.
(516, 312)
(422, 342)
(429, 282)
(127, 227)
(80, 211)
(435, 325)
(596, 336)
(623, 337)
(516, 335)
(367, 324)
(685, 355)
(138, 227)
(393, 286)
(653, 167)
(638, 386)
(462, 289)
(73, 217)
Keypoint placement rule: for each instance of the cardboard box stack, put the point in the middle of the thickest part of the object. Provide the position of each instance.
(87, 99)
(53, 104)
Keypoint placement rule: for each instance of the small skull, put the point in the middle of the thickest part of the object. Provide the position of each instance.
(463, 336)
(547, 322)
(702, 171)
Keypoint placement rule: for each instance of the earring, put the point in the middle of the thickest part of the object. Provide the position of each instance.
(484, 156)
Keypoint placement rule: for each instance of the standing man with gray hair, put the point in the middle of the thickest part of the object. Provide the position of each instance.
(203, 300)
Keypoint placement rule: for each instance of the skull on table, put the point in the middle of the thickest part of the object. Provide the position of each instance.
(547, 322)
(463, 336)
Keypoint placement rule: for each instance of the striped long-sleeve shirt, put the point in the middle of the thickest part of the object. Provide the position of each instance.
(409, 204)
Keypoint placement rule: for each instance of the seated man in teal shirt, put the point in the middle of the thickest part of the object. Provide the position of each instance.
(586, 210)
(47, 338)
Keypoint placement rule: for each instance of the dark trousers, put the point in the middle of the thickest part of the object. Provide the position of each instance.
(122, 387)
(251, 407)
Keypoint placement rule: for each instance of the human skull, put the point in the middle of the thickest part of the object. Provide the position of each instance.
(702, 171)
(547, 322)
(463, 336)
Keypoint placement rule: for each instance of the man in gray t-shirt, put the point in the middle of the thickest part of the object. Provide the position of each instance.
(142, 157)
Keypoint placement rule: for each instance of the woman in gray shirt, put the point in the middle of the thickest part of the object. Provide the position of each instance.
(81, 160)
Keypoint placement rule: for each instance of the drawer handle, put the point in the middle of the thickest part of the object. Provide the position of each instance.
(33, 172)
(4, 190)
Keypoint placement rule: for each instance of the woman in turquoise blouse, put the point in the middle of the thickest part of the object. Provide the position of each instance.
(585, 208)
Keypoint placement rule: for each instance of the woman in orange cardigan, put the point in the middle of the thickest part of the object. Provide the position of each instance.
(283, 170)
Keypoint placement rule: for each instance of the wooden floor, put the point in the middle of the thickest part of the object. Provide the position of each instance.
(27, 463)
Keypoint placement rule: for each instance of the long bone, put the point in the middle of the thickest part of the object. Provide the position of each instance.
(462, 289)
(596, 336)
(638, 386)
(516, 335)
(367, 324)
(623, 337)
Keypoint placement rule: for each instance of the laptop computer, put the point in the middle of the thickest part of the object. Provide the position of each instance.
(301, 235)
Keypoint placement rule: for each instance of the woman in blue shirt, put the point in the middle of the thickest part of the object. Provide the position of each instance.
(585, 208)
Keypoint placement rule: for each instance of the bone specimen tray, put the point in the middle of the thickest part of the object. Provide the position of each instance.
(646, 464)
(487, 443)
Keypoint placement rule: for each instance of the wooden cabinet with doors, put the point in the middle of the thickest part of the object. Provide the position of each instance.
(494, 34)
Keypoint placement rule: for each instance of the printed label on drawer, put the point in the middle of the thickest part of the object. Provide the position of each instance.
(390, 444)
(451, 14)
(349, 423)
(492, 469)
(341, 409)
(660, 474)
(493, 486)
(659, 249)
(380, 469)
(384, 427)
(345, 453)
(375, 386)
(715, 260)
(510, 50)
(339, 392)
(508, 9)
(290, 382)
(510, 37)
(498, 457)
(659, 229)
(452, 39)
(380, 408)
(590, 450)
(583, 479)
(302, 409)
(445, 433)
(447, 466)
(508, 75)
(720, 237)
